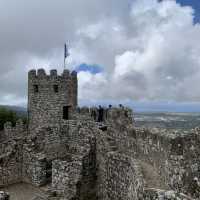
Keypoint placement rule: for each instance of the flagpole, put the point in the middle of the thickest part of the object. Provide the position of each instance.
(66, 54)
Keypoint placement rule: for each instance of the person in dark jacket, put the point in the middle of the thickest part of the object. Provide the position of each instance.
(100, 112)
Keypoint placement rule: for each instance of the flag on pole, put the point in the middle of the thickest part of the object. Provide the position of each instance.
(66, 52)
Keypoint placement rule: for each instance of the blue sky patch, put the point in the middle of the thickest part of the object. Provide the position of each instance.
(195, 4)
(94, 69)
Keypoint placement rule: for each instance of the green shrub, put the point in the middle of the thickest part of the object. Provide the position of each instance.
(7, 115)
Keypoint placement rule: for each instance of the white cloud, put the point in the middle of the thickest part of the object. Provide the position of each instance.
(88, 83)
(159, 58)
(149, 50)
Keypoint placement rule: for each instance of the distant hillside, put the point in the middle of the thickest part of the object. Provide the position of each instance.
(183, 121)
(11, 114)
(20, 111)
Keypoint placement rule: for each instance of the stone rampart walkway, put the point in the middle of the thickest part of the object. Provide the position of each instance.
(23, 191)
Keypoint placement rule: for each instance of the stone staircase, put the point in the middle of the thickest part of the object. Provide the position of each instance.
(151, 176)
(155, 188)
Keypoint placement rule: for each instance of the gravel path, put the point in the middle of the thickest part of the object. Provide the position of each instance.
(23, 191)
(151, 176)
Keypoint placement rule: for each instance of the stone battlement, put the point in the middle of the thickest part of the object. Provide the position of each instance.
(19, 130)
(108, 115)
(41, 74)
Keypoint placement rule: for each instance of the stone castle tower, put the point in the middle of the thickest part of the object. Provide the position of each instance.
(51, 98)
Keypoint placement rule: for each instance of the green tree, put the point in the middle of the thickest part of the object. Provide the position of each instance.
(7, 115)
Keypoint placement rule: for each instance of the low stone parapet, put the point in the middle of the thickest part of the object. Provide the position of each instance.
(157, 194)
(4, 195)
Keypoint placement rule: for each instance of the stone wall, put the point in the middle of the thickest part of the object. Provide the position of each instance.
(118, 175)
(11, 162)
(34, 167)
(51, 141)
(110, 114)
(105, 161)
(39, 151)
(77, 176)
(66, 177)
(47, 95)
(120, 128)
(175, 157)
(18, 131)
(158, 194)
(124, 178)
(11, 149)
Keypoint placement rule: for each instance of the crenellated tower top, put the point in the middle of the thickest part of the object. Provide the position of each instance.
(41, 73)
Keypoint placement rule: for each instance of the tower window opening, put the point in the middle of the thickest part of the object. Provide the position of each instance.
(55, 88)
(49, 171)
(66, 112)
(36, 88)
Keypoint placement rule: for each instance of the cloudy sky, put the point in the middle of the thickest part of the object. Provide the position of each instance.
(124, 50)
